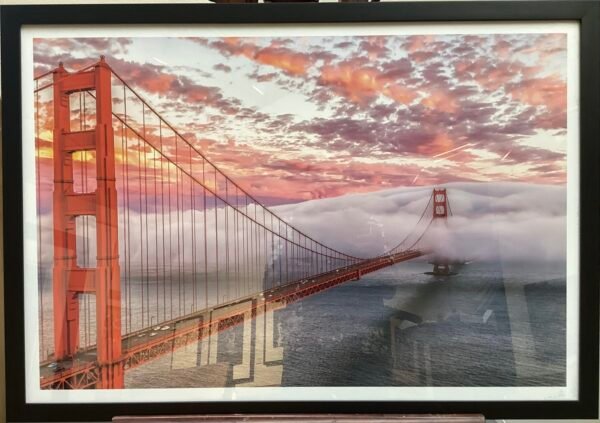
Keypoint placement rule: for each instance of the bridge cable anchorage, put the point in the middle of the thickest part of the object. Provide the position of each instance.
(241, 255)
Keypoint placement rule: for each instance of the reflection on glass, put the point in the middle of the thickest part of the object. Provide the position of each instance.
(486, 325)
(390, 218)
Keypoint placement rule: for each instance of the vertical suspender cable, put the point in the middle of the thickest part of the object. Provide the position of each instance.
(178, 227)
(193, 219)
(205, 233)
(162, 213)
(216, 236)
(40, 272)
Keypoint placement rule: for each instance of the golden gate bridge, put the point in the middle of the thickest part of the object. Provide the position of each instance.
(153, 246)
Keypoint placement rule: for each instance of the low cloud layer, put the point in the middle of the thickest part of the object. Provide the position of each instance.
(490, 221)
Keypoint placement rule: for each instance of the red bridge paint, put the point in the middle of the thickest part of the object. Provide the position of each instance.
(69, 280)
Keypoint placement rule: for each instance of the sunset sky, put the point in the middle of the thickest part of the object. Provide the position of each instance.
(293, 119)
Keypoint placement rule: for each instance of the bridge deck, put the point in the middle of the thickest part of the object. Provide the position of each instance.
(148, 344)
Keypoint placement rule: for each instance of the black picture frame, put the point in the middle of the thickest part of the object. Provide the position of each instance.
(587, 13)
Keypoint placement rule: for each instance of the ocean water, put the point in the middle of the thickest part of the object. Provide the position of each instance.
(491, 324)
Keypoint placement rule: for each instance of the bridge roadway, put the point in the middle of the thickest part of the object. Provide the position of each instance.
(140, 347)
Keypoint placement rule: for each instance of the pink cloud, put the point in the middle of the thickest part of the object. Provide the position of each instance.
(361, 84)
(549, 92)
(416, 43)
(441, 101)
(276, 55)
(446, 113)
(440, 143)
(374, 47)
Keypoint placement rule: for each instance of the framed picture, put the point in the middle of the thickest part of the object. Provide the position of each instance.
(328, 208)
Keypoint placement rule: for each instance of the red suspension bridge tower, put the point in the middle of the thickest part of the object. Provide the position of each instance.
(69, 279)
(440, 204)
(441, 209)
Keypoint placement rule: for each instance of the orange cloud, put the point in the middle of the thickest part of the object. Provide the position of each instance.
(497, 76)
(375, 46)
(502, 48)
(418, 42)
(291, 62)
(441, 143)
(400, 94)
(361, 84)
(161, 83)
(441, 101)
(493, 76)
(550, 91)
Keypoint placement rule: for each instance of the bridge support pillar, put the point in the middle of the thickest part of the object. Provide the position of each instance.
(440, 213)
(440, 203)
(108, 282)
(102, 204)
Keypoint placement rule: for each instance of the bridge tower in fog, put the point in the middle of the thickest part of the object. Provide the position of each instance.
(440, 204)
(441, 210)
